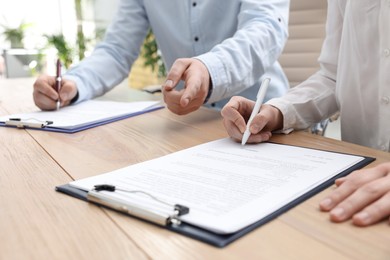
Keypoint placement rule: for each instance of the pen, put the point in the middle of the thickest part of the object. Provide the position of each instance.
(256, 109)
(58, 82)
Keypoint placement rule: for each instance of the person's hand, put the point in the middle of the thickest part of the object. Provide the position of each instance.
(237, 112)
(364, 196)
(197, 82)
(45, 95)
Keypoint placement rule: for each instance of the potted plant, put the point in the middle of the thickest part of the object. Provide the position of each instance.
(15, 35)
(65, 52)
(152, 56)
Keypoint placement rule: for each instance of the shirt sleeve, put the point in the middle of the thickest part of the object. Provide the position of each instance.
(315, 99)
(238, 62)
(112, 59)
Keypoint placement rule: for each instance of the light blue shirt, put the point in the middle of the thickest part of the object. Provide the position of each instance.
(238, 41)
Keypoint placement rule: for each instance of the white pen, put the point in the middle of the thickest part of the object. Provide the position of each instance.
(256, 109)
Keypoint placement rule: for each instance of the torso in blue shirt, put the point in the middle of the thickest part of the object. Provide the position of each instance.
(238, 41)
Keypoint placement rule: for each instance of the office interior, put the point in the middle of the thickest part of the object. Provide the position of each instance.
(36, 54)
(302, 233)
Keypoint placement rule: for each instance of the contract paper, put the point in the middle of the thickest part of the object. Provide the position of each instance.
(228, 186)
(85, 113)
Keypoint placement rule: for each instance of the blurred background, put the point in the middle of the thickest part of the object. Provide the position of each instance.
(34, 33)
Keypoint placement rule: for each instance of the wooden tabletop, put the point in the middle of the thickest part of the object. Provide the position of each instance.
(38, 223)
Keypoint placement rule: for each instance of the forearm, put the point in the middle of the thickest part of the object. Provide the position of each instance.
(239, 62)
(112, 59)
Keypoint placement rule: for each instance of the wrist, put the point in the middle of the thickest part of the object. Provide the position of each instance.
(74, 99)
(276, 118)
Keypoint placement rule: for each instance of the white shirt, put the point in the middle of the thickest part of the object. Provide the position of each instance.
(238, 41)
(354, 77)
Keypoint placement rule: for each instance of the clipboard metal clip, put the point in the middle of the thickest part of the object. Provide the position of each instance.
(29, 122)
(158, 217)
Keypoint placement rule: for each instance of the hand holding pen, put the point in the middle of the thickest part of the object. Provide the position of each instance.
(58, 82)
(256, 109)
(53, 92)
(246, 122)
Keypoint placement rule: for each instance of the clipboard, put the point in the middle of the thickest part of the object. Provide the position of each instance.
(39, 120)
(222, 240)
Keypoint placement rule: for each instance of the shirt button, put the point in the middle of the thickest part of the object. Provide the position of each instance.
(385, 100)
(196, 38)
(194, 4)
(386, 52)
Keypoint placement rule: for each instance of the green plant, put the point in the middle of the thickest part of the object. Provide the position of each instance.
(15, 35)
(76, 52)
(65, 52)
(150, 53)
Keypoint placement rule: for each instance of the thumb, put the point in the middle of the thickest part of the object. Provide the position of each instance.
(176, 73)
(168, 85)
(68, 91)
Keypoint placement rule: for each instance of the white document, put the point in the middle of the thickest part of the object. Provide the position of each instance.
(228, 186)
(84, 113)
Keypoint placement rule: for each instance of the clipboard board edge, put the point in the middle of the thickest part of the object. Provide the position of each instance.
(219, 240)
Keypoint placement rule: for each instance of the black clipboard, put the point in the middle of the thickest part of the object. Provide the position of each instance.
(219, 240)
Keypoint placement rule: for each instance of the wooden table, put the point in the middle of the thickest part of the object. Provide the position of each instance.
(38, 223)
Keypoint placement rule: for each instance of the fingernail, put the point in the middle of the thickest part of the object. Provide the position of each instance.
(254, 128)
(168, 83)
(363, 217)
(338, 213)
(185, 102)
(326, 203)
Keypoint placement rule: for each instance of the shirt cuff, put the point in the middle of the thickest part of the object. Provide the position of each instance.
(218, 76)
(82, 93)
(287, 112)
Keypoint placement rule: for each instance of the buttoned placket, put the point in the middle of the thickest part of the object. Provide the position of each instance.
(195, 24)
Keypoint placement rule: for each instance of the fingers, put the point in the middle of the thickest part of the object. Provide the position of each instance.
(45, 96)
(197, 82)
(173, 102)
(373, 213)
(192, 89)
(238, 110)
(175, 74)
(68, 92)
(44, 93)
(234, 114)
(260, 126)
(363, 196)
(350, 185)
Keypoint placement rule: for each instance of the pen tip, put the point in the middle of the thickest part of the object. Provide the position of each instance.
(245, 137)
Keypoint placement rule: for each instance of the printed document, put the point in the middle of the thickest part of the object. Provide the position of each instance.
(227, 186)
(85, 113)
